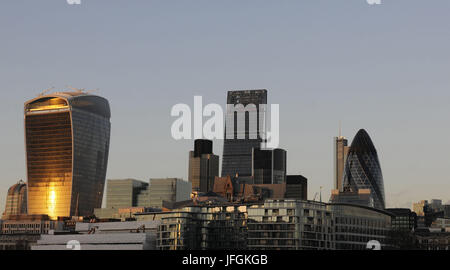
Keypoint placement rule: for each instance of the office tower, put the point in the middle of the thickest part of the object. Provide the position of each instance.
(436, 205)
(67, 144)
(203, 166)
(16, 200)
(296, 187)
(363, 170)
(340, 156)
(143, 197)
(269, 166)
(447, 211)
(245, 122)
(418, 207)
(169, 190)
(125, 193)
(403, 220)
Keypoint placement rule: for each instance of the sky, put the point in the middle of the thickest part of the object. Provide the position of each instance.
(384, 68)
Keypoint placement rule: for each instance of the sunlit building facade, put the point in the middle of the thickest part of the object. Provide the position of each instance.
(16, 200)
(67, 138)
(340, 155)
(363, 170)
(419, 206)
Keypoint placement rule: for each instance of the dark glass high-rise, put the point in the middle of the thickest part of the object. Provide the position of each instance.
(296, 187)
(203, 166)
(237, 151)
(363, 170)
(67, 138)
(269, 166)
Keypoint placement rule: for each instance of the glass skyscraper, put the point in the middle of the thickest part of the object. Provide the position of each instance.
(248, 129)
(203, 166)
(67, 138)
(269, 166)
(363, 170)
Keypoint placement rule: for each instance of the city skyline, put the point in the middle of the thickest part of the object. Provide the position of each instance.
(397, 90)
(56, 93)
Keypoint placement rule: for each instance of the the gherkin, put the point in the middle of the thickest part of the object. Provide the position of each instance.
(363, 170)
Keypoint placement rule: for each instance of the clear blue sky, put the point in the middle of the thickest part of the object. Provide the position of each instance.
(384, 68)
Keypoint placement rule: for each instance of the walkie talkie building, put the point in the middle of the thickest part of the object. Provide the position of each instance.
(363, 170)
(247, 129)
(67, 138)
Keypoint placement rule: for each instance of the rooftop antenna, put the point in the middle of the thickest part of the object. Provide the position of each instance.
(46, 91)
(340, 128)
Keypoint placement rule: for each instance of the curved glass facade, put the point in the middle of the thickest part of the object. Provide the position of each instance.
(67, 144)
(363, 170)
(16, 200)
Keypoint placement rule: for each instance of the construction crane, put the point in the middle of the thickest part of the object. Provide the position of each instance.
(92, 91)
(83, 90)
(76, 89)
(318, 193)
(46, 91)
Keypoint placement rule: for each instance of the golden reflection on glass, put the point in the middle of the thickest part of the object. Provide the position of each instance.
(49, 161)
(52, 201)
(67, 143)
(47, 104)
(49, 107)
